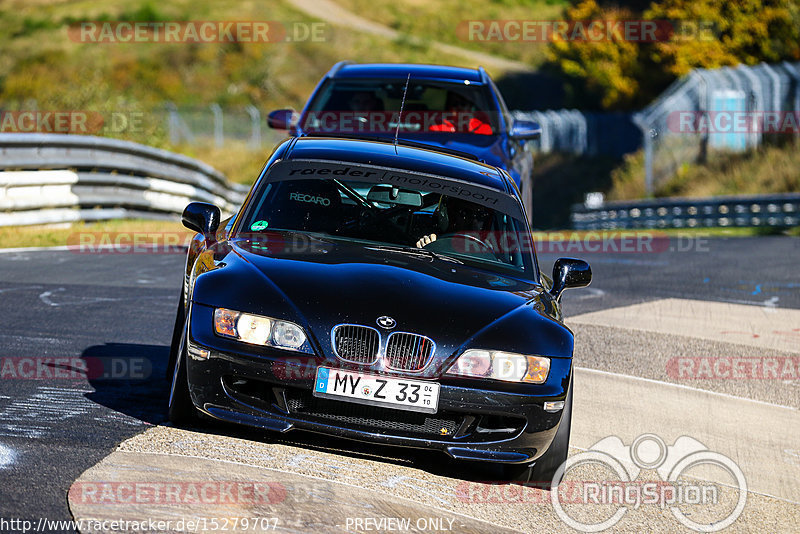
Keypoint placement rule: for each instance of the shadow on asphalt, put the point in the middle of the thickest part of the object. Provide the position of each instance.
(129, 378)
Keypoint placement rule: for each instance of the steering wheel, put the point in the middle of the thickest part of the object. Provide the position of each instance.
(486, 246)
(374, 221)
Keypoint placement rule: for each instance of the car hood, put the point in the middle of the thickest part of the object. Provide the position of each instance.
(333, 283)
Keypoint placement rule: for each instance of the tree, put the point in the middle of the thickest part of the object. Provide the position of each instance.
(603, 73)
(622, 73)
(713, 34)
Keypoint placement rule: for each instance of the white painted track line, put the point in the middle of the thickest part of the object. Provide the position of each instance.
(762, 439)
(60, 248)
(758, 326)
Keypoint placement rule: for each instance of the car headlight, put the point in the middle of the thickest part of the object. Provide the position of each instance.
(498, 365)
(260, 330)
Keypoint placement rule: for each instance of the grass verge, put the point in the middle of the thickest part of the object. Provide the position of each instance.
(448, 21)
(768, 169)
(146, 231)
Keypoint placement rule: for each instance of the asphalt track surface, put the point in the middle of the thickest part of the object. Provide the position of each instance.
(68, 306)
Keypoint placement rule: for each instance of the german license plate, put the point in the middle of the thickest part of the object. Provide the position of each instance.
(399, 393)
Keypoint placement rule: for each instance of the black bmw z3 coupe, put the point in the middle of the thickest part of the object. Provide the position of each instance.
(382, 292)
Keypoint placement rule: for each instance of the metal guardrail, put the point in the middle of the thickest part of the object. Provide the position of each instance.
(51, 178)
(779, 210)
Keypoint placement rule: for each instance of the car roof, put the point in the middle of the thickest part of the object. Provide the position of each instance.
(402, 70)
(382, 154)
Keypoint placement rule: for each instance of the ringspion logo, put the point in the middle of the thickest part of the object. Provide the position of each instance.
(676, 490)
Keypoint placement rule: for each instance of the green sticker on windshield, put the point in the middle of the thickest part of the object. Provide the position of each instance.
(259, 225)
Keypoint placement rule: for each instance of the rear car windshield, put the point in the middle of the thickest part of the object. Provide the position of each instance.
(372, 206)
(370, 105)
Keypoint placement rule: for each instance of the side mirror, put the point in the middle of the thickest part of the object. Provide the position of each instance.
(282, 119)
(524, 129)
(569, 273)
(201, 217)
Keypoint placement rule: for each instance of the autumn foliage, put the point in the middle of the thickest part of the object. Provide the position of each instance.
(619, 73)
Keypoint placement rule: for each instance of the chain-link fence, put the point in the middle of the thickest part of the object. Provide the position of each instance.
(203, 125)
(563, 130)
(213, 124)
(582, 133)
(732, 109)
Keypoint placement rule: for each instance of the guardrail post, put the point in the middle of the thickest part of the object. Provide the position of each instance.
(173, 122)
(647, 141)
(219, 135)
(255, 129)
(794, 74)
(648, 164)
(178, 129)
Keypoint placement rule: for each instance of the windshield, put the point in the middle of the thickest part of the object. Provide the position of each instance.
(402, 216)
(372, 106)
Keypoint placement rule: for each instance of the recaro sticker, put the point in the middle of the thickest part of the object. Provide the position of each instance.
(309, 199)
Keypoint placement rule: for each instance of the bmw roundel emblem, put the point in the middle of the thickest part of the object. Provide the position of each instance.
(386, 322)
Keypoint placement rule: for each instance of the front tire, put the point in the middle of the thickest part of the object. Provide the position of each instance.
(544, 469)
(177, 333)
(181, 409)
(540, 473)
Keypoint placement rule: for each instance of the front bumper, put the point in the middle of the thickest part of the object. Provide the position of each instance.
(272, 389)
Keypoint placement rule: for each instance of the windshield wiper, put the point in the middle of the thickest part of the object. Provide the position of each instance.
(414, 251)
(353, 194)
